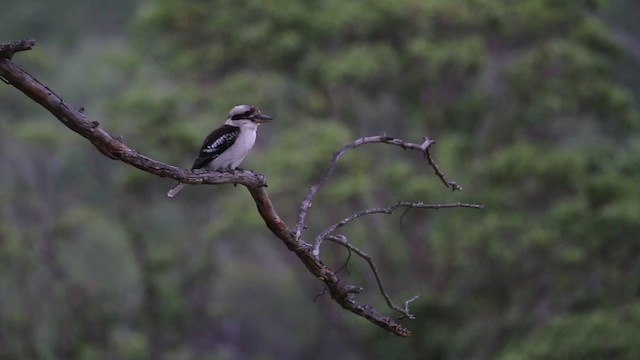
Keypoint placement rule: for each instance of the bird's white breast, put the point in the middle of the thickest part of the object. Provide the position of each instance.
(238, 151)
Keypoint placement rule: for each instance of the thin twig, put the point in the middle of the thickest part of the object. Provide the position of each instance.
(324, 290)
(406, 210)
(448, 183)
(346, 263)
(423, 148)
(388, 210)
(406, 303)
(342, 240)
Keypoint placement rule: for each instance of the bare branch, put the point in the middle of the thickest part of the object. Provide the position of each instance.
(346, 263)
(406, 303)
(342, 293)
(448, 183)
(388, 210)
(7, 50)
(423, 148)
(114, 148)
(342, 240)
(109, 145)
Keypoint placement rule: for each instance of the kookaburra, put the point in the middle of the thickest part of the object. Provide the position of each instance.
(225, 147)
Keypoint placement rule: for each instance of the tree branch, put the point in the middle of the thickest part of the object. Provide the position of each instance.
(107, 144)
(7, 50)
(423, 148)
(342, 240)
(342, 293)
(388, 210)
(114, 148)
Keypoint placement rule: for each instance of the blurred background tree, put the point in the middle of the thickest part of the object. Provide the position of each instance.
(534, 105)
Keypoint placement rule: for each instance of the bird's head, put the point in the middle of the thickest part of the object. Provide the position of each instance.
(246, 115)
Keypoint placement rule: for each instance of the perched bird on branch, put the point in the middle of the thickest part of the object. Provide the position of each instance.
(225, 147)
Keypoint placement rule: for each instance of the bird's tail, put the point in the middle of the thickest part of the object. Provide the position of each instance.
(176, 189)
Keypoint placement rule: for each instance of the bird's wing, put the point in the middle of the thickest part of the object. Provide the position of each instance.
(215, 144)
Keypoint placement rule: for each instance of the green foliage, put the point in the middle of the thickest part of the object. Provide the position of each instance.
(603, 334)
(532, 109)
(34, 19)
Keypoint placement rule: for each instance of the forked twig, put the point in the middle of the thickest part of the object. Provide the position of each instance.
(422, 148)
(342, 240)
(388, 210)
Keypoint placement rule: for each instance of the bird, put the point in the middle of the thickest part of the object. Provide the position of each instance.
(225, 147)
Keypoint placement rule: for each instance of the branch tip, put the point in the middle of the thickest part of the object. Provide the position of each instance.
(8, 49)
(406, 312)
(423, 148)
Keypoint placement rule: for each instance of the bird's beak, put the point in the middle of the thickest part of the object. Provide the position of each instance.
(262, 118)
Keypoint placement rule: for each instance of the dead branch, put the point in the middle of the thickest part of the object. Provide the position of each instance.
(107, 144)
(7, 50)
(423, 148)
(448, 183)
(342, 240)
(114, 148)
(388, 210)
